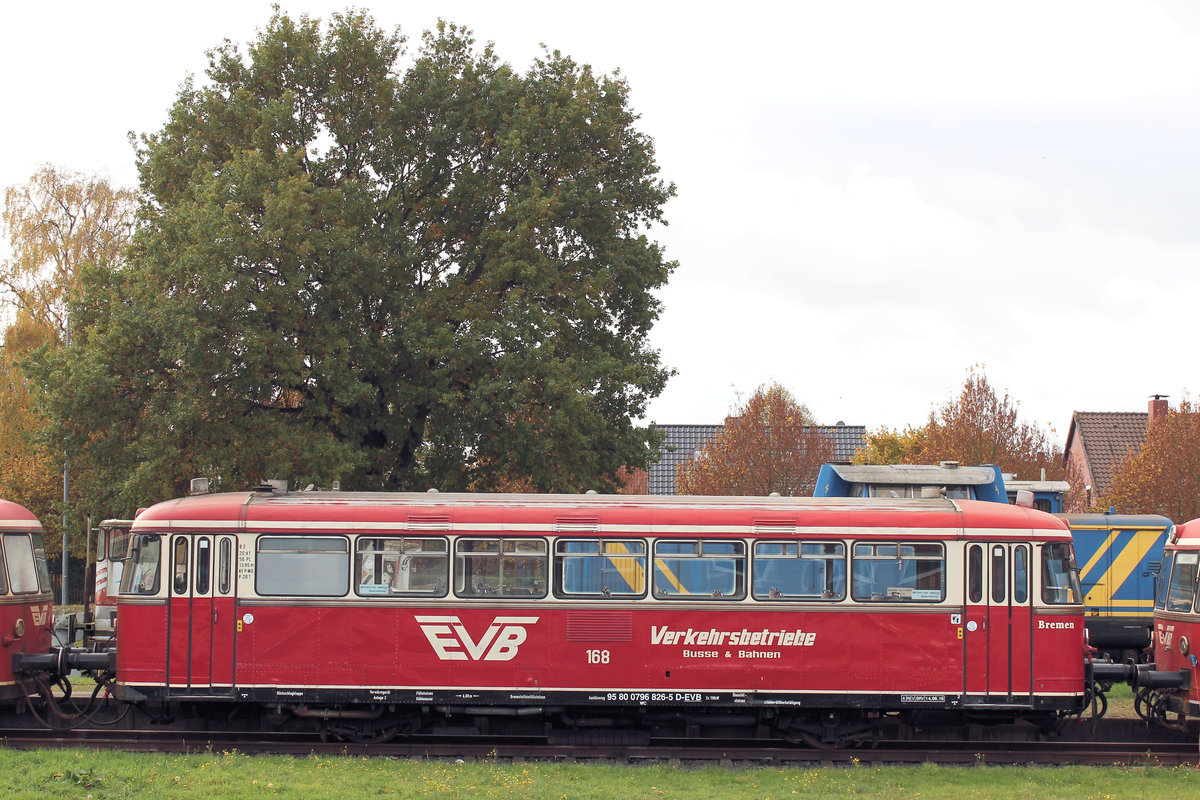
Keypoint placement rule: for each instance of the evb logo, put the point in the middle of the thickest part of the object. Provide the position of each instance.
(40, 615)
(452, 642)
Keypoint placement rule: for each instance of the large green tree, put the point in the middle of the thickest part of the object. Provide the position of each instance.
(394, 269)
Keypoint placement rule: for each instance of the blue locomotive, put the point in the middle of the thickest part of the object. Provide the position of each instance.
(1119, 555)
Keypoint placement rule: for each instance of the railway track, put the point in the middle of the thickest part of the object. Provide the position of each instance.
(609, 748)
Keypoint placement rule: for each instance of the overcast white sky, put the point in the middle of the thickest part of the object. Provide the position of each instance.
(872, 196)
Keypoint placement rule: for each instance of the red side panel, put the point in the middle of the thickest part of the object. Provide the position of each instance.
(142, 633)
(555, 648)
(36, 616)
(1058, 650)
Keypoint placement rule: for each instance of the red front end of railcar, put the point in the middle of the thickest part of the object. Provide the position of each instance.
(789, 610)
(26, 603)
(1177, 623)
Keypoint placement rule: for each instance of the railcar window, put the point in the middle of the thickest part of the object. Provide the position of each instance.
(225, 566)
(500, 567)
(999, 574)
(3, 571)
(22, 569)
(402, 566)
(1182, 591)
(1020, 573)
(179, 565)
(1164, 579)
(601, 568)
(203, 565)
(118, 543)
(799, 570)
(975, 574)
(700, 569)
(141, 576)
(899, 572)
(39, 561)
(910, 490)
(1060, 579)
(303, 566)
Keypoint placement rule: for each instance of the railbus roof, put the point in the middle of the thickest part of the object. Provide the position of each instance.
(562, 513)
(15, 517)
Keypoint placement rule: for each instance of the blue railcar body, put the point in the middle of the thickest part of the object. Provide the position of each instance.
(1119, 555)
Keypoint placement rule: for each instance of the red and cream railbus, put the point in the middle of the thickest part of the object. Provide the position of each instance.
(26, 602)
(385, 612)
(112, 544)
(1170, 687)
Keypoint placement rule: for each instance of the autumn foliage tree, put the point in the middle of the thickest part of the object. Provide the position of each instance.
(772, 445)
(982, 427)
(978, 427)
(59, 225)
(887, 446)
(29, 474)
(1163, 477)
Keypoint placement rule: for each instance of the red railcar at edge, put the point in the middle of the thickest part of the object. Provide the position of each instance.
(1170, 687)
(26, 602)
(386, 612)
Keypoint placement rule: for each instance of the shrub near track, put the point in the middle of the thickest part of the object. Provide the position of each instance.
(92, 775)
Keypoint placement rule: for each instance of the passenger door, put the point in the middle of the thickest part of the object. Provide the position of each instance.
(997, 633)
(200, 639)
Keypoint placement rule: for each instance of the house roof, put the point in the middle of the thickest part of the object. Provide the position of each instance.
(684, 440)
(1107, 437)
(681, 442)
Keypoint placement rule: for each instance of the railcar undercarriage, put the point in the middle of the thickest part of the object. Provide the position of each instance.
(581, 725)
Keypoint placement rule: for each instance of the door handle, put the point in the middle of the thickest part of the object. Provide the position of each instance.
(214, 622)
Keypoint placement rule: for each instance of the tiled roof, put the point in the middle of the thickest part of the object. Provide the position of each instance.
(1107, 438)
(681, 442)
(847, 439)
(684, 440)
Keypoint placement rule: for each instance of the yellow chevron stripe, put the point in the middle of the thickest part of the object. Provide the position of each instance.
(1096, 556)
(670, 576)
(629, 567)
(1127, 560)
(1127, 604)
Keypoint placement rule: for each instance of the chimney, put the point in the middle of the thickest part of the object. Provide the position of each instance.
(1158, 408)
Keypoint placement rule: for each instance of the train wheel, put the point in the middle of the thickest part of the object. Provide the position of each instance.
(817, 744)
(831, 731)
(1097, 701)
(377, 737)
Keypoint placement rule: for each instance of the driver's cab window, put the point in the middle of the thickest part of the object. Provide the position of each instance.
(141, 575)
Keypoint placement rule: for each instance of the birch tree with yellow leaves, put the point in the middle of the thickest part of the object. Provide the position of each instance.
(58, 225)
